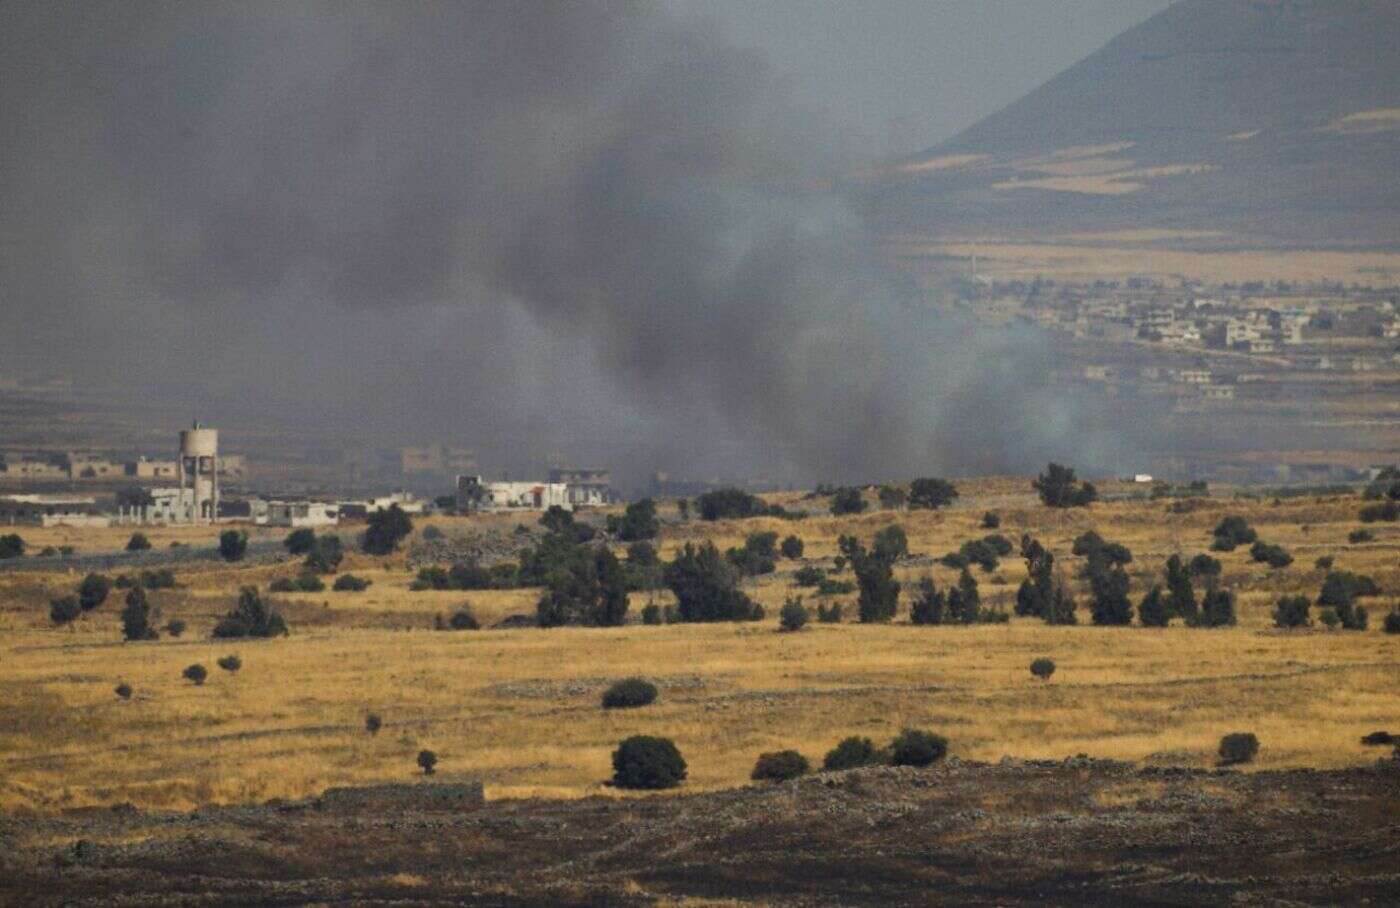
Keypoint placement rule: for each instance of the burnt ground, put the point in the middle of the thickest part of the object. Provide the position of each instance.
(1078, 832)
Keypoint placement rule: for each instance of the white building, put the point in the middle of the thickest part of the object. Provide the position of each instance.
(299, 514)
(495, 497)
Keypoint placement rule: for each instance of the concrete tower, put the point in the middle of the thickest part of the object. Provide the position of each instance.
(199, 473)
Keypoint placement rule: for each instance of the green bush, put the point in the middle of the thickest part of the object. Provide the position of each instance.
(138, 543)
(123, 690)
(1217, 609)
(1324, 563)
(283, 585)
(195, 673)
(829, 614)
(93, 591)
(427, 760)
(310, 583)
(1238, 747)
(829, 587)
(64, 609)
(1273, 555)
(251, 617)
(928, 605)
(808, 576)
(651, 614)
(233, 545)
(138, 618)
(793, 616)
(1231, 532)
(387, 528)
(852, 753)
(325, 555)
(11, 546)
(629, 693)
(373, 723)
(230, 663)
(161, 579)
(464, 619)
(991, 520)
(639, 521)
(931, 493)
(299, 542)
(1389, 512)
(792, 548)
(349, 583)
(1043, 668)
(1058, 488)
(1329, 617)
(779, 766)
(725, 504)
(706, 586)
(1292, 611)
(1153, 611)
(1355, 537)
(175, 627)
(1392, 622)
(646, 762)
(890, 544)
(847, 501)
(917, 748)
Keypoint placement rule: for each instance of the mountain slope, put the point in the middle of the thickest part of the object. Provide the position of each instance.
(1272, 122)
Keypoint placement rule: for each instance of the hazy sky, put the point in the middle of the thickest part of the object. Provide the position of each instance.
(906, 74)
(529, 227)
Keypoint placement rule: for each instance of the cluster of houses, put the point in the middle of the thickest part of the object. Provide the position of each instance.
(157, 506)
(565, 488)
(81, 467)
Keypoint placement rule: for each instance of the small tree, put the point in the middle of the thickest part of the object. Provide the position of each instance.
(852, 753)
(251, 617)
(230, 664)
(879, 591)
(373, 723)
(646, 762)
(890, 544)
(964, 600)
(64, 609)
(629, 693)
(847, 500)
(138, 618)
(387, 528)
(917, 748)
(427, 760)
(929, 493)
(349, 583)
(1181, 595)
(928, 605)
(1273, 555)
(11, 546)
(829, 614)
(325, 555)
(1238, 747)
(93, 591)
(706, 586)
(1043, 668)
(651, 614)
(464, 619)
(1154, 610)
(991, 520)
(1392, 622)
(793, 616)
(299, 542)
(892, 498)
(792, 548)
(1231, 532)
(780, 766)
(1217, 608)
(639, 521)
(233, 545)
(138, 543)
(123, 690)
(195, 673)
(1059, 488)
(1292, 611)
(175, 627)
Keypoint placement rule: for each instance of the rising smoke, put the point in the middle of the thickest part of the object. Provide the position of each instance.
(597, 228)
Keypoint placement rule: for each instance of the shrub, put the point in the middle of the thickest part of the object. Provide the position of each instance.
(349, 583)
(11, 546)
(464, 619)
(373, 723)
(1392, 622)
(829, 614)
(64, 609)
(1231, 532)
(138, 543)
(1292, 611)
(162, 579)
(387, 528)
(310, 583)
(758, 556)
(847, 501)
(706, 586)
(651, 614)
(646, 762)
(779, 766)
(890, 544)
(1273, 555)
(93, 591)
(808, 576)
(123, 582)
(629, 693)
(1043, 668)
(283, 585)
(230, 663)
(138, 618)
(793, 616)
(1388, 512)
(251, 617)
(1153, 611)
(325, 555)
(1181, 594)
(427, 760)
(1205, 567)
(1324, 563)
(852, 753)
(792, 548)
(123, 690)
(195, 673)
(722, 504)
(1356, 537)
(639, 521)
(929, 604)
(892, 497)
(233, 545)
(1238, 747)
(1108, 583)
(1379, 738)
(930, 493)
(1217, 609)
(175, 627)
(1329, 617)
(1058, 488)
(829, 587)
(964, 600)
(433, 534)
(299, 542)
(991, 520)
(917, 748)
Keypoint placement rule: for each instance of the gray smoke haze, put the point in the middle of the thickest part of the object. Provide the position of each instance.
(602, 229)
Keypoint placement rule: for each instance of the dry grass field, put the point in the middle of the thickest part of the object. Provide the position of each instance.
(520, 710)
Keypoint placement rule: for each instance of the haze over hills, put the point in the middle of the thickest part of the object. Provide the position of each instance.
(1232, 123)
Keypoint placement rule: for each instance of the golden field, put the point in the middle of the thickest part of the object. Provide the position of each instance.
(520, 710)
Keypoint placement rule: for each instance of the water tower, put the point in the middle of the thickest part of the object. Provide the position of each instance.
(199, 472)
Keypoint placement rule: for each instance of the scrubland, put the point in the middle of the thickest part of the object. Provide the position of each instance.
(519, 708)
